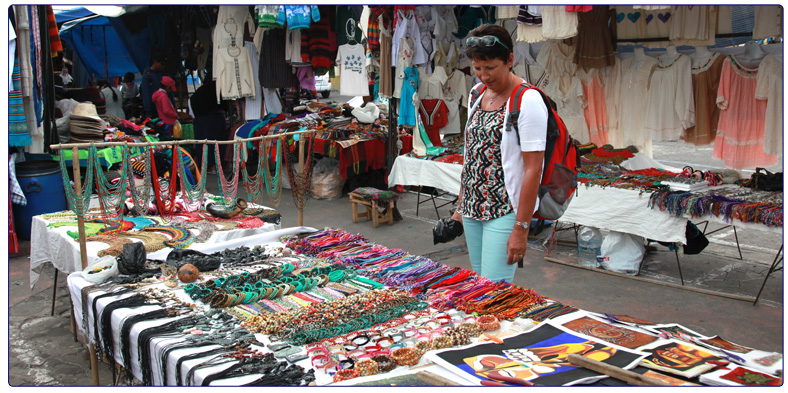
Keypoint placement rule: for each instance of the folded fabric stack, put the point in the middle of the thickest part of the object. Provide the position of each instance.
(85, 124)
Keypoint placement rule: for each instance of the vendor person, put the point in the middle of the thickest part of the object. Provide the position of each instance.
(130, 93)
(164, 108)
(151, 79)
(500, 177)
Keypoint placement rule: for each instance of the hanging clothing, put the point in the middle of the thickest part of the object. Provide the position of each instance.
(353, 80)
(253, 108)
(693, 25)
(471, 18)
(633, 100)
(768, 22)
(266, 15)
(671, 105)
(431, 85)
(595, 39)
(274, 72)
(506, 12)
(229, 29)
(434, 116)
(770, 88)
(557, 59)
(557, 23)
(404, 60)
(529, 24)
(455, 93)
(346, 26)
(596, 111)
(426, 19)
(297, 16)
(322, 43)
(705, 79)
(407, 104)
(567, 93)
(445, 22)
(18, 134)
(740, 133)
(232, 72)
(408, 27)
(386, 88)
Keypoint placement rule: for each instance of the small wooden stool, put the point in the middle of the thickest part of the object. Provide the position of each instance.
(372, 210)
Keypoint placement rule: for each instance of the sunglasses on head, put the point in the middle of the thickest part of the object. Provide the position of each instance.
(488, 40)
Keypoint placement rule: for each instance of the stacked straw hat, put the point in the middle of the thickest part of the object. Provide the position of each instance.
(85, 124)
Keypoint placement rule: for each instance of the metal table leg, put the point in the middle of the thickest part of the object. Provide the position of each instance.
(777, 260)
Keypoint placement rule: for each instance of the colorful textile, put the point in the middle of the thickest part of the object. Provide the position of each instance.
(383, 197)
(18, 134)
(699, 205)
(55, 45)
(297, 16)
(361, 157)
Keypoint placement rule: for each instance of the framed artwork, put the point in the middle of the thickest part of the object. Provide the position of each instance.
(739, 376)
(539, 356)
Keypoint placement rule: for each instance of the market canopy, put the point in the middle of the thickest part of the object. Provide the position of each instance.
(96, 42)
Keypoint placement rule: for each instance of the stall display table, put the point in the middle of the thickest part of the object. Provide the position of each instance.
(354, 158)
(56, 246)
(409, 171)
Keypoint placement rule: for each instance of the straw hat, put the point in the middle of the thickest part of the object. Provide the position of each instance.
(85, 109)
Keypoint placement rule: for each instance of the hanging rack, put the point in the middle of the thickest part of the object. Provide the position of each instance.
(78, 181)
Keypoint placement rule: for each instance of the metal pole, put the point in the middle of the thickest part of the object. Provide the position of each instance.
(303, 175)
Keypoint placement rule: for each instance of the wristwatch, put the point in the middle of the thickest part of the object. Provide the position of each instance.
(524, 225)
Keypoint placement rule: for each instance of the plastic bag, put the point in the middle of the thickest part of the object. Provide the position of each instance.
(102, 270)
(446, 230)
(622, 253)
(327, 183)
(132, 259)
(203, 262)
(589, 243)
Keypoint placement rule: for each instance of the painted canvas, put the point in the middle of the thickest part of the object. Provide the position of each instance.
(539, 356)
(739, 376)
(608, 333)
(678, 358)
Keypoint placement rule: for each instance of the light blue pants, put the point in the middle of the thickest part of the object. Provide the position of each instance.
(486, 242)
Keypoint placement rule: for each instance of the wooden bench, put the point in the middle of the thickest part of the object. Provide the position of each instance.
(372, 210)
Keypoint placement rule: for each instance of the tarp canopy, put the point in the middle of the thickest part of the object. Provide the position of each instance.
(65, 15)
(99, 47)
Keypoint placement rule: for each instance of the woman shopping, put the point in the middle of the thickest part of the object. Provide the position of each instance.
(501, 174)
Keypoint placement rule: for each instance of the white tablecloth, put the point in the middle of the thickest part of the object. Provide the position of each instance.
(408, 171)
(56, 246)
(76, 282)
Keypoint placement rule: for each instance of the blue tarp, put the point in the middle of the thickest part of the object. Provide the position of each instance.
(97, 43)
(62, 16)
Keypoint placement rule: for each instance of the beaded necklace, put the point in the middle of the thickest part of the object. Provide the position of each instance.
(152, 241)
(165, 204)
(112, 202)
(273, 184)
(228, 189)
(179, 237)
(79, 205)
(193, 192)
(301, 183)
(253, 184)
(141, 196)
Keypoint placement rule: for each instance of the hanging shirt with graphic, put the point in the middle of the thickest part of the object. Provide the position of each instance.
(353, 80)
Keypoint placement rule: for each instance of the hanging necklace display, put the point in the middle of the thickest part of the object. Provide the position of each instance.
(111, 201)
(273, 184)
(301, 183)
(254, 184)
(179, 237)
(193, 192)
(228, 189)
(79, 205)
(141, 196)
(164, 203)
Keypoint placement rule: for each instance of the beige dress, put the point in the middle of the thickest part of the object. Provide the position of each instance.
(770, 88)
(768, 22)
(705, 79)
(386, 88)
(557, 23)
(693, 25)
(633, 96)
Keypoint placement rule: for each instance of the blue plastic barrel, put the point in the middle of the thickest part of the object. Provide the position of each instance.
(42, 185)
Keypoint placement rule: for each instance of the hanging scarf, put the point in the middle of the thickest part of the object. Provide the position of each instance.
(18, 134)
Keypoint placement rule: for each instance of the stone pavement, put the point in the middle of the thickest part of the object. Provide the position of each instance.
(43, 351)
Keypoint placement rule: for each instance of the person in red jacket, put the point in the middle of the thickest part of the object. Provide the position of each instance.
(164, 108)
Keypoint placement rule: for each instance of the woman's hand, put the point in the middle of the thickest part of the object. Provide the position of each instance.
(517, 245)
(456, 216)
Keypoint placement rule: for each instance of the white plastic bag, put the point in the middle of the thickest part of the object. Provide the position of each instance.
(622, 253)
(102, 270)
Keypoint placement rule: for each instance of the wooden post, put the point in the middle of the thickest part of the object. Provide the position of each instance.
(83, 248)
(615, 372)
(303, 176)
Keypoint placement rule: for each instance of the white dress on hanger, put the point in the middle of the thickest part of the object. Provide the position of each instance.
(770, 88)
(693, 25)
(557, 23)
(634, 92)
(567, 92)
(404, 60)
(407, 27)
(671, 105)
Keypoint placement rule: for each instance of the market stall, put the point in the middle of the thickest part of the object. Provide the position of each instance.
(395, 313)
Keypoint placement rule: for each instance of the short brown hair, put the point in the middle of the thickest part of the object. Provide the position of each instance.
(482, 52)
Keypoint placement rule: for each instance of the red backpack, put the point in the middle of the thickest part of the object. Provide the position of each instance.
(561, 156)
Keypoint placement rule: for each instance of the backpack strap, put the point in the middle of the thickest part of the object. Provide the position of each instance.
(476, 93)
(514, 108)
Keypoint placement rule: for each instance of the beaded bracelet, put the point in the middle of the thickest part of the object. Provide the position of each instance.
(442, 342)
(488, 323)
(385, 362)
(343, 375)
(367, 367)
(406, 356)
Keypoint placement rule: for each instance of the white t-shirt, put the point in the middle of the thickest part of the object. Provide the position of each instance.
(353, 80)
